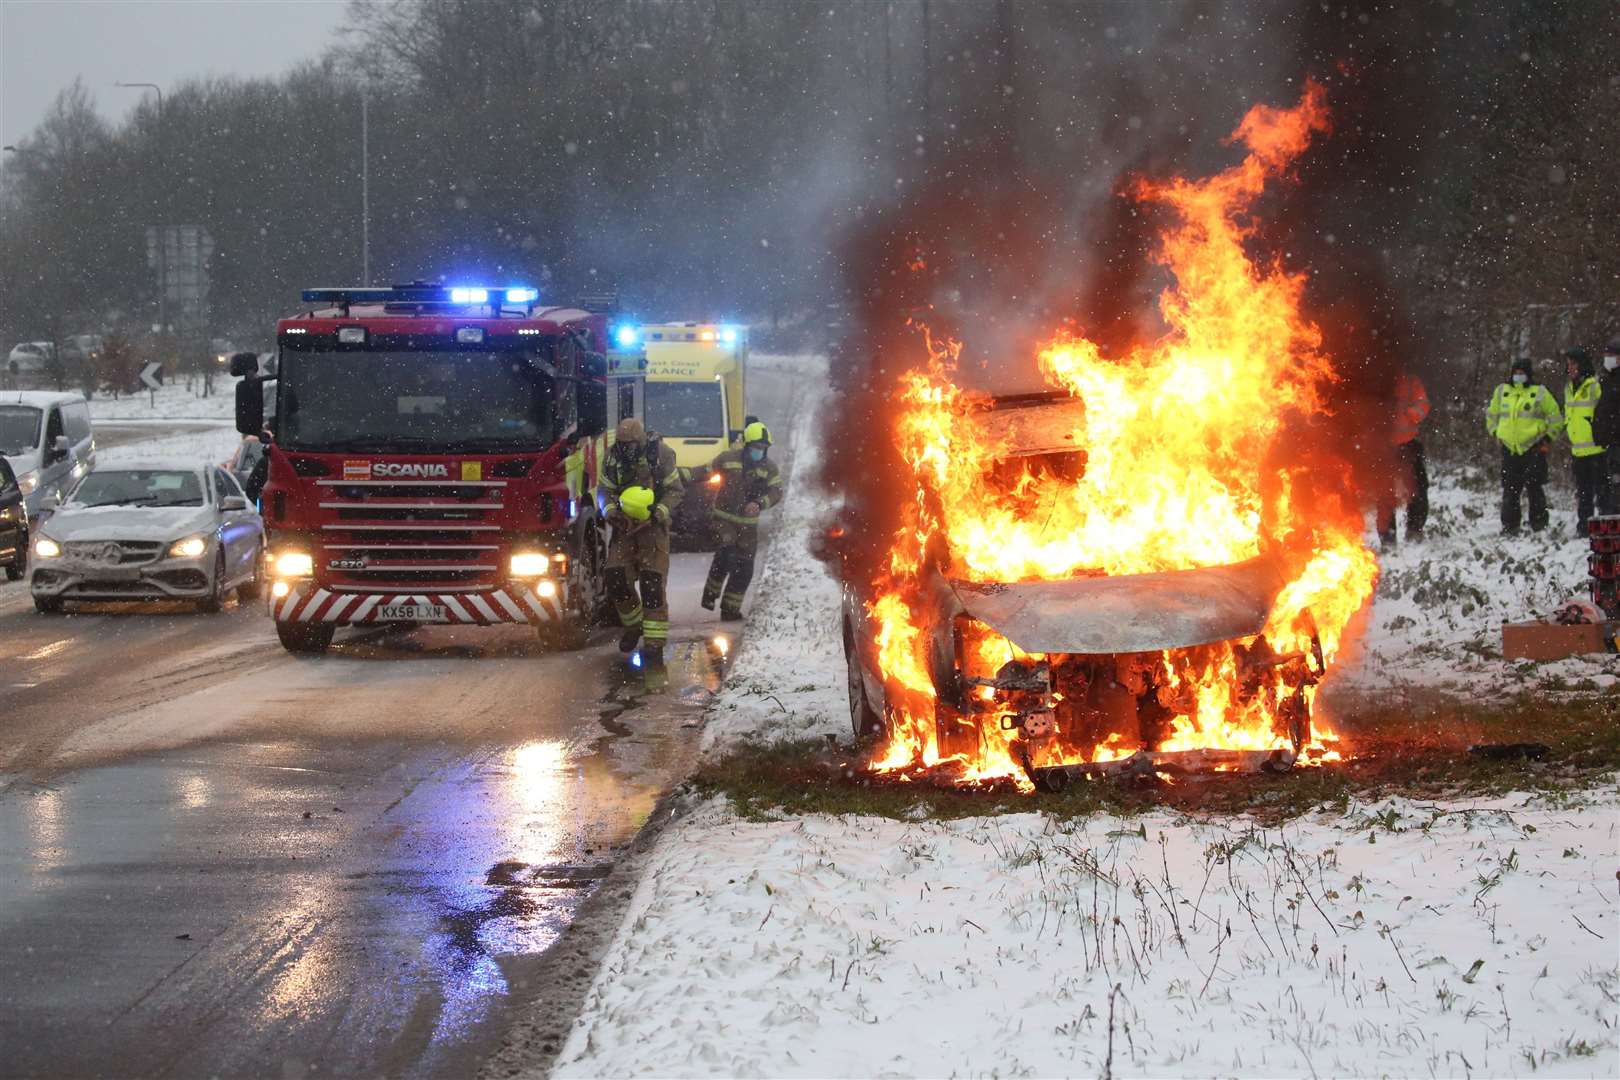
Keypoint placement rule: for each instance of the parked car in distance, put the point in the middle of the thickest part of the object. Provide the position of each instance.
(46, 439)
(30, 357)
(13, 525)
(149, 531)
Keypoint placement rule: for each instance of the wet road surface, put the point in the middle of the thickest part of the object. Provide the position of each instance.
(219, 859)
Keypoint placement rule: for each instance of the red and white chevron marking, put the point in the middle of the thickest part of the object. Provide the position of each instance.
(478, 608)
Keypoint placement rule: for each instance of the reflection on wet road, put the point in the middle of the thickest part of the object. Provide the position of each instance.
(219, 859)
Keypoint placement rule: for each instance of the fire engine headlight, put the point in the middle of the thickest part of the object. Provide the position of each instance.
(280, 589)
(530, 564)
(546, 589)
(291, 564)
(46, 548)
(190, 548)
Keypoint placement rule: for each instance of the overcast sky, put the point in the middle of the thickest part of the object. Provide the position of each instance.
(45, 43)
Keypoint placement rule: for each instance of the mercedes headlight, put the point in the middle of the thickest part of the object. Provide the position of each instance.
(191, 547)
(46, 548)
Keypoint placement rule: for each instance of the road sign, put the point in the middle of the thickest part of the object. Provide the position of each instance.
(152, 375)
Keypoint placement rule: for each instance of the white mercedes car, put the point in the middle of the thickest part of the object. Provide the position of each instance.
(149, 531)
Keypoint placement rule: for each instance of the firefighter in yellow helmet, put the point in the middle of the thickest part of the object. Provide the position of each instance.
(1525, 419)
(750, 484)
(641, 487)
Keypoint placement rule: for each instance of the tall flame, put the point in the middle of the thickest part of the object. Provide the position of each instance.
(1185, 466)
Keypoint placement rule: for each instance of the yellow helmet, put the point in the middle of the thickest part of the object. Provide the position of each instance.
(637, 502)
(757, 432)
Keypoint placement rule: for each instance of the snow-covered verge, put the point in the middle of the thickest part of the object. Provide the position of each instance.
(787, 679)
(172, 402)
(1397, 940)
(1436, 621)
(212, 444)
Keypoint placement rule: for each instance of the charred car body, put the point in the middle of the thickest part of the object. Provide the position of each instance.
(1093, 674)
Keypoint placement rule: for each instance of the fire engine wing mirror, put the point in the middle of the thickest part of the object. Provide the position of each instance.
(592, 398)
(244, 364)
(250, 406)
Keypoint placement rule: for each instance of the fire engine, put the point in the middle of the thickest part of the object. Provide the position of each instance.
(433, 458)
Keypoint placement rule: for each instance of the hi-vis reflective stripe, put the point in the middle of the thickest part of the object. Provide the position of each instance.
(481, 609)
(735, 519)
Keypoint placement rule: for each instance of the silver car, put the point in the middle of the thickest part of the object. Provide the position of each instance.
(149, 531)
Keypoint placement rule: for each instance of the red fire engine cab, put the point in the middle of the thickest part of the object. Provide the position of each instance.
(433, 459)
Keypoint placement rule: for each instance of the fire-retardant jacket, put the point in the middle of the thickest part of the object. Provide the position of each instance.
(652, 465)
(1521, 416)
(745, 482)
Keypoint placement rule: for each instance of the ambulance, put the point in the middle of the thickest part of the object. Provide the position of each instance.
(696, 372)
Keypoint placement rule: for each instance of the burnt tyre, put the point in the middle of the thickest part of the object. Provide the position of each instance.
(310, 639)
(865, 721)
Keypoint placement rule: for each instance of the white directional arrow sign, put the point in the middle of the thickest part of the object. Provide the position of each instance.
(152, 375)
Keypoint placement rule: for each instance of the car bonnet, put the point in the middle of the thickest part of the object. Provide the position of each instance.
(1132, 613)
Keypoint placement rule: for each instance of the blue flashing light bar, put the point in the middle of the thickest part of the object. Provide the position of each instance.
(625, 337)
(418, 293)
(728, 335)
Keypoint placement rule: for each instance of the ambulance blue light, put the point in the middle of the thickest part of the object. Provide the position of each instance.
(626, 336)
(728, 335)
(469, 296)
(522, 296)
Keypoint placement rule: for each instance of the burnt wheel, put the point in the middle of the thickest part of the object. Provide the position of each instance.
(865, 721)
(305, 638)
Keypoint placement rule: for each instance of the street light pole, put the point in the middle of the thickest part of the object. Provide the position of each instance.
(365, 185)
(162, 246)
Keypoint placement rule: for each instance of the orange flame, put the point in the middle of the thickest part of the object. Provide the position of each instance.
(1184, 466)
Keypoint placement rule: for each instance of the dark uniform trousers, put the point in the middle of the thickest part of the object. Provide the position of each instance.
(1414, 470)
(1521, 473)
(1592, 488)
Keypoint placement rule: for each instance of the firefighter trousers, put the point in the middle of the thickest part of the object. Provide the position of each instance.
(640, 557)
(1412, 481)
(732, 570)
(1521, 473)
(1592, 491)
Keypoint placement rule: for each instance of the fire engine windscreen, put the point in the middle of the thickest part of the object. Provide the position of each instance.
(686, 410)
(378, 401)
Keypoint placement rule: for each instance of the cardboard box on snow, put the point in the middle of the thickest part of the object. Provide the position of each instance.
(1554, 641)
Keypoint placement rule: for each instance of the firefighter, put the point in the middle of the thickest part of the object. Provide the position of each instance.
(1587, 458)
(1411, 407)
(1606, 419)
(750, 484)
(642, 488)
(1524, 418)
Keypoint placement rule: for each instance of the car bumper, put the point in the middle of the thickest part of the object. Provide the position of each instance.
(168, 579)
(512, 603)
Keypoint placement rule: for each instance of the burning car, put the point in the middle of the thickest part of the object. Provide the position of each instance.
(1148, 566)
(1085, 675)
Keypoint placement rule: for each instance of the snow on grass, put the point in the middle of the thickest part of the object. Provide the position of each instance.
(788, 680)
(172, 402)
(1399, 939)
(214, 445)
(1436, 621)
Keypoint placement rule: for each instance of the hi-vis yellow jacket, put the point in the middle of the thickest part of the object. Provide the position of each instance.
(1580, 402)
(1521, 416)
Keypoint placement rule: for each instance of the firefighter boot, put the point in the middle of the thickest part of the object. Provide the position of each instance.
(628, 639)
(653, 673)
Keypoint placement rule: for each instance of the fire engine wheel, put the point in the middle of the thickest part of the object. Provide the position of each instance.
(864, 720)
(307, 638)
